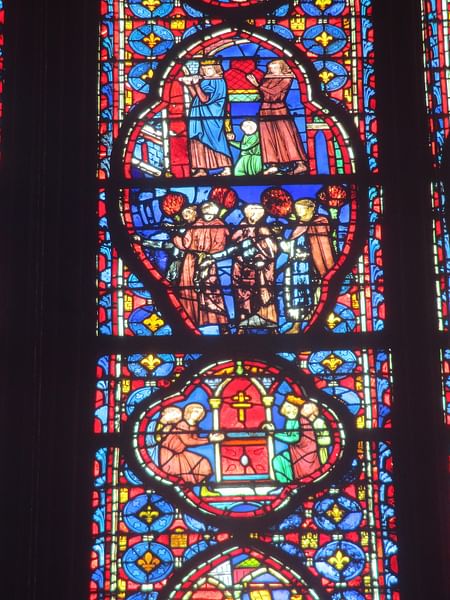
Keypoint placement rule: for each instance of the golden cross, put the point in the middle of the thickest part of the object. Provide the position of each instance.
(241, 404)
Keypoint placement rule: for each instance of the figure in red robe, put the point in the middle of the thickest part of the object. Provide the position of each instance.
(175, 438)
(253, 274)
(280, 141)
(199, 287)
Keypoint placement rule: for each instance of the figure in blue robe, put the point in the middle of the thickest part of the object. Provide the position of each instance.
(208, 142)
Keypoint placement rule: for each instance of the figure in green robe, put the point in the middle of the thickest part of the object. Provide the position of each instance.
(249, 161)
(301, 460)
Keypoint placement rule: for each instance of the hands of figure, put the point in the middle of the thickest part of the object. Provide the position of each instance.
(186, 79)
(269, 427)
(252, 79)
(216, 437)
(195, 79)
(230, 136)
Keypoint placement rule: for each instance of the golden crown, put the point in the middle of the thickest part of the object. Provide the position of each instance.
(209, 61)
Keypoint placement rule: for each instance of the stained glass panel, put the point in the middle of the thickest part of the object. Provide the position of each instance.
(149, 538)
(437, 63)
(445, 363)
(2, 19)
(328, 103)
(239, 194)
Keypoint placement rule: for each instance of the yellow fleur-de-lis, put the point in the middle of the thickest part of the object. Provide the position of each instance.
(149, 514)
(150, 362)
(332, 362)
(151, 4)
(339, 560)
(154, 321)
(152, 40)
(148, 562)
(332, 320)
(322, 4)
(323, 39)
(335, 513)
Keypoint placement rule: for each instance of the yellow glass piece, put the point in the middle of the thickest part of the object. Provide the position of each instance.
(152, 40)
(332, 362)
(123, 495)
(149, 514)
(154, 321)
(178, 23)
(360, 422)
(297, 23)
(310, 540)
(335, 513)
(361, 493)
(332, 320)
(178, 539)
(241, 404)
(323, 39)
(150, 362)
(148, 562)
(122, 542)
(151, 4)
(128, 302)
(322, 4)
(339, 561)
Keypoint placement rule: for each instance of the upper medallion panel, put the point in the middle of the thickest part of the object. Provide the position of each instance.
(237, 104)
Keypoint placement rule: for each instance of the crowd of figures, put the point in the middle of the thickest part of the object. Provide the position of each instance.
(270, 143)
(261, 272)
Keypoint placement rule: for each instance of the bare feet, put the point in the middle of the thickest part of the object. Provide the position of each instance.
(226, 172)
(300, 168)
(200, 173)
(271, 170)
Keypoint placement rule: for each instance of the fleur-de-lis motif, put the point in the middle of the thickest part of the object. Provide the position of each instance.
(154, 321)
(335, 513)
(333, 319)
(148, 562)
(150, 362)
(322, 4)
(323, 39)
(149, 514)
(152, 40)
(339, 561)
(332, 362)
(151, 4)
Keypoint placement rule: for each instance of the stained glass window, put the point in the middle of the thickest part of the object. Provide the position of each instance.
(240, 195)
(435, 33)
(437, 62)
(2, 18)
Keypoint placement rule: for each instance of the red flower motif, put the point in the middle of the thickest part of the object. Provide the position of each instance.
(173, 203)
(223, 196)
(333, 195)
(277, 202)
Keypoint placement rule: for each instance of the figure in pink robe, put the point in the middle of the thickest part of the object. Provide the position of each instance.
(280, 141)
(175, 458)
(199, 288)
